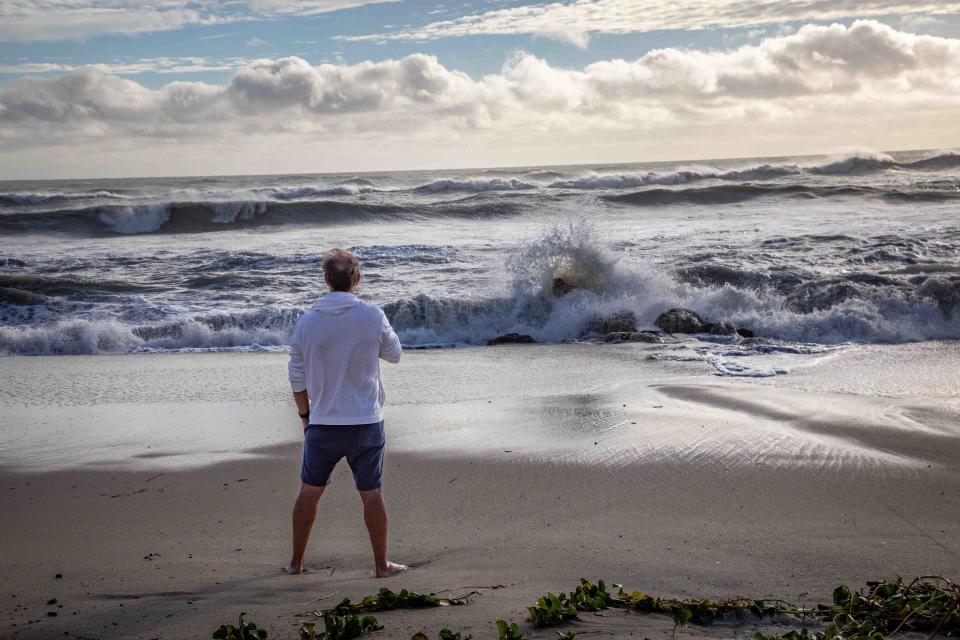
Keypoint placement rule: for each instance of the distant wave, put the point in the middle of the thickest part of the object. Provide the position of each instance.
(863, 163)
(194, 217)
(947, 160)
(729, 193)
(19, 199)
(66, 285)
(477, 184)
(303, 192)
(859, 163)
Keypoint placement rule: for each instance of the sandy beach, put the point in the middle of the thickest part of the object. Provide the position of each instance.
(161, 493)
(663, 295)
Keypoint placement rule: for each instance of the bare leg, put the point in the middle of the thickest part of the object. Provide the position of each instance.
(304, 513)
(375, 517)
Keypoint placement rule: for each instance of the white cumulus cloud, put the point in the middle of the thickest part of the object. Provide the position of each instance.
(817, 88)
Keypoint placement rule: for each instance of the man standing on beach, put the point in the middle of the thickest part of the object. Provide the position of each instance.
(334, 372)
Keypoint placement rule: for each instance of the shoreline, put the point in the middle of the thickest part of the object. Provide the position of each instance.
(531, 478)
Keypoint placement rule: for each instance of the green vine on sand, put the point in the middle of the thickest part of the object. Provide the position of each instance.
(928, 604)
(339, 627)
(387, 600)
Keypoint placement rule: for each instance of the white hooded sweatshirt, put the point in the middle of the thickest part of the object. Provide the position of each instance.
(334, 357)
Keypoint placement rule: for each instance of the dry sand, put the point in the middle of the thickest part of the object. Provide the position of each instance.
(663, 479)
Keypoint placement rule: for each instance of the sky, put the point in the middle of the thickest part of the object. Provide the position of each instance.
(123, 88)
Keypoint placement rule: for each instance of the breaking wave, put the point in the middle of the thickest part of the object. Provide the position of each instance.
(15, 199)
(263, 330)
(855, 164)
(194, 217)
(785, 308)
(477, 184)
(186, 217)
(782, 307)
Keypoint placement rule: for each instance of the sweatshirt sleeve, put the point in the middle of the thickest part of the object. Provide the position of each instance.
(295, 371)
(390, 348)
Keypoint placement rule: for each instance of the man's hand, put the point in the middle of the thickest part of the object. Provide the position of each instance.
(306, 423)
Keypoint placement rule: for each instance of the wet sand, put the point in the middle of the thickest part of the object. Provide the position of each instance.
(658, 476)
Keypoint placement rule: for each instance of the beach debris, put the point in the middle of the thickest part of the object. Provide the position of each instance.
(929, 604)
(508, 630)
(339, 627)
(387, 600)
(551, 610)
(882, 609)
(243, 631)
(511, 338)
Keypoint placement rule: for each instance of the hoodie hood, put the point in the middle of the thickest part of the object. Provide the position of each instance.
(335, 303)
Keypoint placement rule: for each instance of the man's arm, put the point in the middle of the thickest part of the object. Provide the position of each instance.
(298, 376)
(302, 401)
(390, 348)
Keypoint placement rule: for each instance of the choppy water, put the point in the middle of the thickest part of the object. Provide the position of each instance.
(807, 252)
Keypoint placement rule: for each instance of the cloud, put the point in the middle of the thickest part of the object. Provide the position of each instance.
(165, 65)
(30, 20)
(863, 84)
(920, 22)
(582, 17)
(255, 42)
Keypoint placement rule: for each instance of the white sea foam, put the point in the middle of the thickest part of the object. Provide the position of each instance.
(633, 180)
(478, 184)
(90, 337)
(228, 212)
(308, 191)
(30, 198)
(136, 218)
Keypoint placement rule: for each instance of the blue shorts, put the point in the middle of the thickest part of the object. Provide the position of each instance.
(361, 444)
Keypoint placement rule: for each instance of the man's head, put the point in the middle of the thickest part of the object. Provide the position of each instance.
(341, 270)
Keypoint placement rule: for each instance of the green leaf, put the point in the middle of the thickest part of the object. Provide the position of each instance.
(841, 595)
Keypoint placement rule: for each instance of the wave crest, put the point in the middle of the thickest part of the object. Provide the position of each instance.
(477, 184)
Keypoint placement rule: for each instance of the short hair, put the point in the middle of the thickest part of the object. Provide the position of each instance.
(340, 269)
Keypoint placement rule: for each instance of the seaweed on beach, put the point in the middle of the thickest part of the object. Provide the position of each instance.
(929, 604)
(387, 600)
(880, 610)
(508, 630)
(339, 627)
(243, 631)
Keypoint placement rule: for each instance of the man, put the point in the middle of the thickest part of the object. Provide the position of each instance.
(334, 372)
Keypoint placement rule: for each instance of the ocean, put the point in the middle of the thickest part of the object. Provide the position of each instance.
(812, 254)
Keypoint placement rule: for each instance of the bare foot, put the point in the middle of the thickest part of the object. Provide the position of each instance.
(391, 569)
(292, 570)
